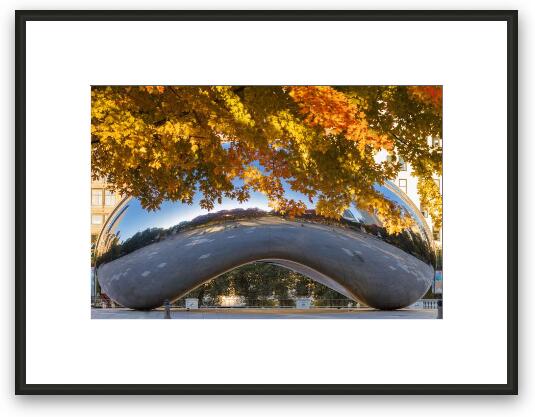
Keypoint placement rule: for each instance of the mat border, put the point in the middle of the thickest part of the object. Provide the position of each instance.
(509, 16)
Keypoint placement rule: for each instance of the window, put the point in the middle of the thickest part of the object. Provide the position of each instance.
(110, 198)
(403, 164)
(96, 219)
(403, 185)
(96, 197)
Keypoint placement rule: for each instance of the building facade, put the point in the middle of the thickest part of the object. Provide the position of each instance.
(103, 202)
(409, 185)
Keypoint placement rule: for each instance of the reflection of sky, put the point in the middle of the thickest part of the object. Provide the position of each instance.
(170, 214)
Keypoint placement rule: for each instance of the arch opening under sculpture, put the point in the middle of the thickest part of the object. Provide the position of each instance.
(302, 270)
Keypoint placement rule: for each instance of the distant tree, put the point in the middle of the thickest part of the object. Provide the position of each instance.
(439, 260)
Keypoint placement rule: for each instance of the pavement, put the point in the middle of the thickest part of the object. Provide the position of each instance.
(244, 313)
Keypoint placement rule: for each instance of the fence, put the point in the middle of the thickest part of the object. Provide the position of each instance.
(100, 302)
(429, 304)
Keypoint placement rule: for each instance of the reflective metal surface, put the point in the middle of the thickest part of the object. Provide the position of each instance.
(144, 258)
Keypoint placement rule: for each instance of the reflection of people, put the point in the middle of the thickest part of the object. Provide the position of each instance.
(167, 307)
(437, 282)
(104, 300)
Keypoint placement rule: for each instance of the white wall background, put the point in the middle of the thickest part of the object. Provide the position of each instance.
(269, 406)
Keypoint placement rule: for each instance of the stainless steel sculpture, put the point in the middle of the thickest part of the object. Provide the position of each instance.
(144, 258)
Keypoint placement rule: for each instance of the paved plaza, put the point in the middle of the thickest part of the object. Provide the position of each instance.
(217, 313)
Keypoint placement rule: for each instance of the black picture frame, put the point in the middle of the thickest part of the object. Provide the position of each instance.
(509, 16)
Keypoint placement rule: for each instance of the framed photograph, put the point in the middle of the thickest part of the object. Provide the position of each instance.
(266, 202)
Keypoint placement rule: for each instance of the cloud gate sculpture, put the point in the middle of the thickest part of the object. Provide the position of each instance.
(144, 258)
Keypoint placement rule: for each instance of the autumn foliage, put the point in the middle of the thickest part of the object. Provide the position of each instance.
(330, 109)
(171, 142)
(430, 94)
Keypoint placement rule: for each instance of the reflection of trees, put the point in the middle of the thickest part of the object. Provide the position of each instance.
(219, 217)
(408, 240)
(138, 241)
